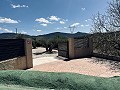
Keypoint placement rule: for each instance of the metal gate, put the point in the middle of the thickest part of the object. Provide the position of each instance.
(63, 49)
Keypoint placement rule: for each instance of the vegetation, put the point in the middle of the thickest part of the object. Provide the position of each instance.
(106, 30)
(48, 43)
(59, 81)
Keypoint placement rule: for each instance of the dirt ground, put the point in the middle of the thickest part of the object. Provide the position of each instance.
(88, 66)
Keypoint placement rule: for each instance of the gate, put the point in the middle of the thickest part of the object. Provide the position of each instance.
(11, 48)
(63, 49)
(82, 47)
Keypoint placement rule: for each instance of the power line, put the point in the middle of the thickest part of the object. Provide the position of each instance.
(72, 29)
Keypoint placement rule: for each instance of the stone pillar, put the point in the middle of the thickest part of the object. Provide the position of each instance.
(28, 53)
(71, 48)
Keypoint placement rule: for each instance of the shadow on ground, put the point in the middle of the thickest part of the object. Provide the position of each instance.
(40, 53)
(114, 65)
(62, 58)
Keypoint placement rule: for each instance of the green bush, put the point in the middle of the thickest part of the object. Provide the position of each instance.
(59, 81)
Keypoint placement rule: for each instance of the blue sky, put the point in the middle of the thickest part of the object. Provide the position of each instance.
(37, 17)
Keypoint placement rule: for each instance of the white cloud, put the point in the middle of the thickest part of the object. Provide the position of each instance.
(19, 6)
(75, 24)
(23, 32)
(39, 30)
(82, 25)
(65, 27)
(54, 18)
(42, 20)
(88, 20)
(6, 30)
(58, 28)
(66, 20)
(83, 9)
(62, 22)
(44, 24)
(7, 20)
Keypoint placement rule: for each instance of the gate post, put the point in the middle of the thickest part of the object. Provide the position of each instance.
(28, 53)
(71, 48)
(91, 45)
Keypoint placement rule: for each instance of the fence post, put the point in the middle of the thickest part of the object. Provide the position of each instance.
(28, 53)
(71, 48)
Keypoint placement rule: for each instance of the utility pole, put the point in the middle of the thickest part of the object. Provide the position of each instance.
(16, 30)
(72, 29)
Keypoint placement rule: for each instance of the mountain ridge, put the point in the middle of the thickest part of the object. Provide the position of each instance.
(50, 35)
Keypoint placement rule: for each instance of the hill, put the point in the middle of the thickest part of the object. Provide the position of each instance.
(11, 36)
(51, 35)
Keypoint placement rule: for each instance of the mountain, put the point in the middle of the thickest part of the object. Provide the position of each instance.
(7, 35)
(11, 36)
(78, 34)
(51, 35)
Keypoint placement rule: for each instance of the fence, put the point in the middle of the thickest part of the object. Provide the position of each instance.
(15, 54)
(107, 45)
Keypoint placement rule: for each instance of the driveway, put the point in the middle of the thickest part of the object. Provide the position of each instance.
(89, 66)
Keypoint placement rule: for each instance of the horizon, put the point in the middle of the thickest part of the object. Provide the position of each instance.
(42, 34)
(41, 17)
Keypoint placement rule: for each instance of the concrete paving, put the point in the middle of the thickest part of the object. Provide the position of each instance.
(43, 60)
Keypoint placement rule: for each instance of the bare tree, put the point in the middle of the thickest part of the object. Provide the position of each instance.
(113, 12)
(110, 22)
(100, 23)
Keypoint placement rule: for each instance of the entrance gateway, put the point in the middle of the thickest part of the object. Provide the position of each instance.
(76, 48)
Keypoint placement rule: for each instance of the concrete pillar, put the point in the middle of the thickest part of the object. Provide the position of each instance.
(91, 45)
(71, 48)
(28, 53)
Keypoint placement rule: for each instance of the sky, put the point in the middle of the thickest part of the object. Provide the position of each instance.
(38, 17)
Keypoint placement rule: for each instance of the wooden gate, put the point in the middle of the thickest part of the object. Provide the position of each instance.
(11, 48)
(63, 49)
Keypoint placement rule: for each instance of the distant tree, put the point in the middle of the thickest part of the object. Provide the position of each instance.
(51, 43)
(20, 36)
(34, 43)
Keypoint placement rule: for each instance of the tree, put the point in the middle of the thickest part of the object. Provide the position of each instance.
(105, 27)
(20, 36)
(34, 43)
(100, 23)
(113, 12)
(108, 22)
(51, 43)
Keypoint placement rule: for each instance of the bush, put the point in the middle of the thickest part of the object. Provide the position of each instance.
(59, 81)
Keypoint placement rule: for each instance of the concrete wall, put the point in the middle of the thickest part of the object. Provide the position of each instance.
(13, 64)
(20, 63)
